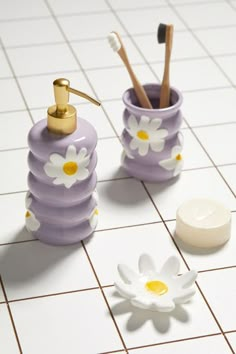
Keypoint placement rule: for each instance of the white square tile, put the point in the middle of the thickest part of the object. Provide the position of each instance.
(181, 2)
(219, 142)
(126, 245)
(219, 288)
(32, 269)
(194, 74)
(229, 173)
(228, 66)
(18, 33)
(200, 108)
(72, 323)
(205, 183)
(232, 338)
(203, 259)
(12, 225)
(96, 116)
(109, 155)
(207, 14)
(60, 7)
(184, 46)
(10, 96)
(87, 53)
(22, 9)
(115, 111)
(16, 128)
(111, 83)
(193, 154)
(214, 344)
(90, 26)
(135, 4)
(223, 44)
(14, 176)
(146, 20)
(140, 327)
(7, 335)
(5, 70)
(42, 93)
(117, 198)
(42, 59)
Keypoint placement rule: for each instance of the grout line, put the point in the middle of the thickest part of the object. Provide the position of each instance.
(232, 331)
(175, 341)
(104, 297)
(10, 314)
(53, 294)
(16, 80)
(17, 192)
(216, 269)
(222, 71)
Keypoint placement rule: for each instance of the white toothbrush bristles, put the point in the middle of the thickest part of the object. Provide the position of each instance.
(114, 42)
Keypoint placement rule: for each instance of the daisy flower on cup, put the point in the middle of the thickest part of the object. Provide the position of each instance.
(93, 219)
(69, 169)
(145, 133)
(156, 291)
(175, 162)
(31, 223)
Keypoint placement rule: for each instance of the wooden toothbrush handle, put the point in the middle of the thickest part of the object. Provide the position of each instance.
(138, 88)
(165, 86)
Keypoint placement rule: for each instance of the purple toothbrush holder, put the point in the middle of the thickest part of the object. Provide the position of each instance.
(151, 138)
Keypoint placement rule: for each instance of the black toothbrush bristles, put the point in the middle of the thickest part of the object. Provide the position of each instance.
(161, 33)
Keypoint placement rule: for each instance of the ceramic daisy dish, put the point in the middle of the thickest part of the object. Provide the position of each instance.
(156, 290)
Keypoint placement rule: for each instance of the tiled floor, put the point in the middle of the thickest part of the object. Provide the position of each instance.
(57, 300)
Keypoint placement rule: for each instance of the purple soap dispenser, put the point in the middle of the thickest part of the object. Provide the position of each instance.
(62, 201)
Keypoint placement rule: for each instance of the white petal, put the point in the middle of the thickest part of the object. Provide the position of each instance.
(155, 123)
(127, 274)
(176, 150)
(144, 123)
(163, 304)
(82, 173)
(184, 296)
(187, 279)
(168, 164)
(57, 159)
(142, 302)
(143, 148)
(132, 123)
(96, 196)
(158, 134)
(84, 162)
(93, 220)
(134, 144)
(124, 290)
(157, 146)
(145, 264)
(171, 266)
(50, 170)
(68, 182)
(82, 154)
(31, 223)
(71, 153)
(178, 167)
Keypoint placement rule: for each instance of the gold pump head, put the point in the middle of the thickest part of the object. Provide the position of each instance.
(62, 117)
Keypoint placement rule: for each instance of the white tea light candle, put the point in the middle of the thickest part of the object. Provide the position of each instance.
(203, 223)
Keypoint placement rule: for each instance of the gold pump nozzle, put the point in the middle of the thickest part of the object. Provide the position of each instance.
(62, 117)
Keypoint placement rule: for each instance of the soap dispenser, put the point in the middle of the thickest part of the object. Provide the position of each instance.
(62, 201)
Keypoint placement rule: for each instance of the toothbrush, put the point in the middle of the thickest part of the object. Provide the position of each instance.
(117, 45)
(165, 35)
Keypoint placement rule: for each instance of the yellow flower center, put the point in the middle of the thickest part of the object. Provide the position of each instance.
(141, 134)
(157, 287)
(27, 214)
(70, 168)
(178, 157)
(96, 212)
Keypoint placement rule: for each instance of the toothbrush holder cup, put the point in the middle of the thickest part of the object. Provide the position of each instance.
(151, 137)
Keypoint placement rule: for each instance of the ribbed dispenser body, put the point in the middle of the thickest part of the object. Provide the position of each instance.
(61, 202)
(151, 138)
